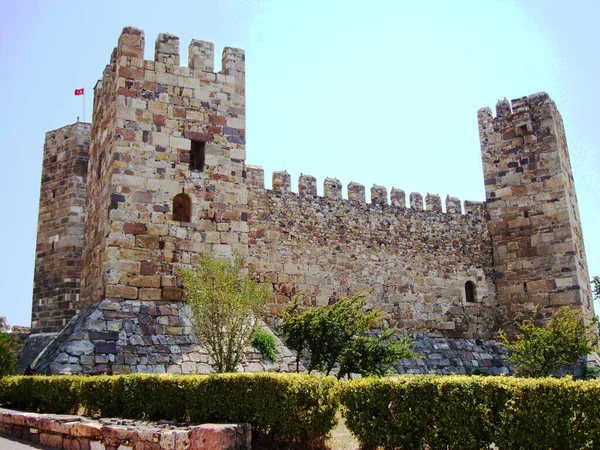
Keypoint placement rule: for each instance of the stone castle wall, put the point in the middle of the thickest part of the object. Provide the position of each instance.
(167, 181)
(60, 228)
(415, 262)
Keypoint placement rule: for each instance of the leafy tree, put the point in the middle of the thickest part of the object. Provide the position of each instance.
(8, 359)
(538, 351)
(225, 306)
(335, 334)
(294, 328)
(374, 355)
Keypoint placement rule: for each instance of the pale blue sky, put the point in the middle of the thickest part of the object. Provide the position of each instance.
(373, 92)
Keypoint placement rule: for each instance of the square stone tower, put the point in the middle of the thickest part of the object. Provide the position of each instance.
(167, 168)
(534, 221)
(60, 228)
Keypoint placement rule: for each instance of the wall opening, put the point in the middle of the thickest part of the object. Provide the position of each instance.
(100, 164)
(182, 208)
(470, 292)
(197, 154)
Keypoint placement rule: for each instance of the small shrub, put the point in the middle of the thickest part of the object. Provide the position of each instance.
(265, 343)
(538, 351)
(225, 305)
(337, 334)
(8, 359)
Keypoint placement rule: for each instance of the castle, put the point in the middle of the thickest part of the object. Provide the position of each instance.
(160, 177)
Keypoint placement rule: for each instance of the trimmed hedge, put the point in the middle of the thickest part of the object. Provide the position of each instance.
(286, 407)
(460, 412)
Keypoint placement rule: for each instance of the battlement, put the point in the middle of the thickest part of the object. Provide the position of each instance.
(332, 188)
(505, 109)
(128, 58)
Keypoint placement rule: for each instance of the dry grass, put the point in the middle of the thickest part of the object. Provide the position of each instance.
(341, 438)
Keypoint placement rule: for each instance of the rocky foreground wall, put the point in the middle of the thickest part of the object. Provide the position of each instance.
(80, 433)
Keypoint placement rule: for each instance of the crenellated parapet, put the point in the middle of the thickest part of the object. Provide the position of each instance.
(307, 185)
(379, 195)
(433, 203)
(130, 55)
(356, 193)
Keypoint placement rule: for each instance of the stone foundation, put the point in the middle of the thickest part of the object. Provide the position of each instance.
(443, 356)
(80, 433)
(128, 336)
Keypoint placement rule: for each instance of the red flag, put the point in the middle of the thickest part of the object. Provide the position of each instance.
(79, 91)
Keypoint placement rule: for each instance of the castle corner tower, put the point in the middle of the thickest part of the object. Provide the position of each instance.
(537, 241)
(60, 228)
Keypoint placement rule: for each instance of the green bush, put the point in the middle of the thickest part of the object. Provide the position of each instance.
(265, 343)
(286, 407)
(460, 412)
(336, 334)
(539, 350)
(40, 393)
(225, 305)
(8, 358)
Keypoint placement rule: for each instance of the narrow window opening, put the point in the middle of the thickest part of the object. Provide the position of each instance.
(197, 154)
(52, 246)
(100, 163)
(470, 292)
(182, 208)
(524, 287)
(53, 193)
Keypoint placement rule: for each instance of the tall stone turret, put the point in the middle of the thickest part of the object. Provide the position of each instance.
(60, 228)
(167, 168)
(539, 256)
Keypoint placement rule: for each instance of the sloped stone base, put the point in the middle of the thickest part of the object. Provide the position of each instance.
(443, 356)
(128, 336)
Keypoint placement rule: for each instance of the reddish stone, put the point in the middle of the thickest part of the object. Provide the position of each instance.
(131, 72)
(127, 135)
(147, 268)
(134, 228)
(127, 92)
(217, 120)
(158, 120)
(196, 136)
(172, 293)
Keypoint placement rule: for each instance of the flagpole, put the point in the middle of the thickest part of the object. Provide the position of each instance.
(84, 105)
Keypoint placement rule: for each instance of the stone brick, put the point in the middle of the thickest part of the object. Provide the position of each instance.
(134, 228)
(172, 293)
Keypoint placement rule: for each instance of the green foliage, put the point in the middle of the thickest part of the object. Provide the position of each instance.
(596, 287)
(538, 351)
(285, 407)
(333, 334)
(225, 306)
(374, 355)
(470, 413)
(40, 393)
(8, 359)
(265, 343)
